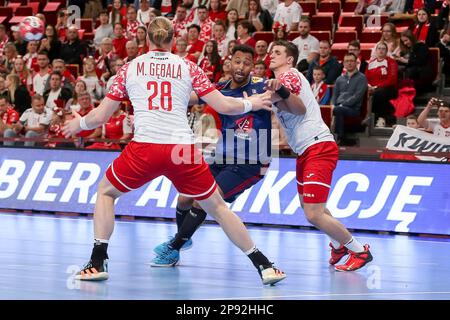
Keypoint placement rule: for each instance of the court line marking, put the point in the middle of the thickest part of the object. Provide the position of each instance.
(263, 229)
(332, 295)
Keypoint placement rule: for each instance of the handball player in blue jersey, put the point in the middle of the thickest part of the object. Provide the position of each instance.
(238, 164)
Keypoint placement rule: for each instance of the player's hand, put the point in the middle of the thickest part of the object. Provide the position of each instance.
(72, 127)
(432, 102)
(273, 84)
(262, 101)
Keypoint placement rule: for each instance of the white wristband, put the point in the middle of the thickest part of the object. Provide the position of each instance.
(247, 105)
(83, 124)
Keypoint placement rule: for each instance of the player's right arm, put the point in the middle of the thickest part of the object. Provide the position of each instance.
(422, 119)
(284, 99)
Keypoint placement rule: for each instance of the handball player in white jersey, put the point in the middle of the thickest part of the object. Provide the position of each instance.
(317, 152)
(159, 85)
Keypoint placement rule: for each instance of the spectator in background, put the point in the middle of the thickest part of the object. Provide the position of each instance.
(56, 93)
(219, 36)
(119, 41)
(231, 23)
(181, 50)
(243, 32)
(72, 104)
(9, 55)
(24, 74)
(42, 75)
(308, 45)
(132, 50)
(118, 127)
(118, 63)
(18, 94)
(444, 50)
(209, 61)
(73, 50)
(288, 13)
(231, 45)
(425, 30)
(270, 5)
(132, 23)
(348, 95)
(363, 6)
(92, 9)
(61, 24)
(262, 55)
(118, 12)
(439, 127)
(58, 117)
(205, 23)
(104, 30)
(260, 69)
(143, 14)
(141, 40)
(195, 46)
(4, 39)
(382, 78)
(8, 116)
(104, 57)
(391, 38)
(180, 22)
(51, 43)
(33, 123)
(412, 122)
(3, 89)
(241, 6)
(216, 12)
(31, 57)
(226, 70)
(355, 48)
(329, 63)
(415, 59)
(19, 42)
(93, 83)
(319, 87)
(260, 19)
(67, 80)
(84, 100)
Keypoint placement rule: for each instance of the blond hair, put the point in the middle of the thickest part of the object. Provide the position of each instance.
(160, 31)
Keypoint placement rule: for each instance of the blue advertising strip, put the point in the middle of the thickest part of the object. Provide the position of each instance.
(368, 195)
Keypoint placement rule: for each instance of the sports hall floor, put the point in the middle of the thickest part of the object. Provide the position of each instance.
(40, 253)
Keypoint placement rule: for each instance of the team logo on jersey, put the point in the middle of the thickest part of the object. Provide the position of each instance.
(244, 127)
(256, 79)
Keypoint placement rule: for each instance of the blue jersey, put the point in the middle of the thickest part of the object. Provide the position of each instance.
(246, 138)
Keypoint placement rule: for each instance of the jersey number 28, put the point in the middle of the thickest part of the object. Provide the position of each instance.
(164, 91)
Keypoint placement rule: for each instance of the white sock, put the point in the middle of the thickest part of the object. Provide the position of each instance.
(354, 245)
(250, 251)
(101, 241)
(335, 243)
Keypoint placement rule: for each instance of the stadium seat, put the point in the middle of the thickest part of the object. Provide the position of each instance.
(34, 6)
(321, 35)
(309, 8)
(293, 34)
(344, 36)
(351, 22)
(263, 35)
(20, 2)
(6, 12)
(74, 69)
(375, 21)
(370, 35)
(322, 23)
(24, 11)
(327, 114)
(52, 6)
(86, 24)
(333, 6)
(350, 6)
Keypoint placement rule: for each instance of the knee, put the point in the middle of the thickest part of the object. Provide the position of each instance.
(313, 215)
(105, 188)
(184, 203)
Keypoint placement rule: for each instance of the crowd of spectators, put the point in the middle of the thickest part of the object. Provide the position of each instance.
(42, 82)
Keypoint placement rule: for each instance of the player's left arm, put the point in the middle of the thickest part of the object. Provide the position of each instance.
(284, 99)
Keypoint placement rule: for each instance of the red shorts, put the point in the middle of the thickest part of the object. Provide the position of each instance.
(315, 170)
(140, 163)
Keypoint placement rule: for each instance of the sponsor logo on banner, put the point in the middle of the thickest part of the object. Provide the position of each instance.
(413, 140)
(369, 195)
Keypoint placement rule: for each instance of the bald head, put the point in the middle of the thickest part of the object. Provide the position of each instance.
(132, 48)
(261, 47)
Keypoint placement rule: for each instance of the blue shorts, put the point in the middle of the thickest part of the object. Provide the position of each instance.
(233, 179)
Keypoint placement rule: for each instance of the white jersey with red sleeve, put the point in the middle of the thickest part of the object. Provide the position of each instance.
(305, 130)
(159, 85)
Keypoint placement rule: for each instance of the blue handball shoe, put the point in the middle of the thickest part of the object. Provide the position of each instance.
(169, 257)
(160, 248)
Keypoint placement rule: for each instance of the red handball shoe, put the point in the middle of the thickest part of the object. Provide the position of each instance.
(356, 260)
(337, 254)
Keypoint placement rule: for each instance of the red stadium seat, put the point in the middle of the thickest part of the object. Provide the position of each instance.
(344, 36)
(333, 6)
(292, 35)
(322, 23)
(263, 35)
(6, 12)
(74, 69)
(309, 8)
(86, 24)
(370, 35)
(52, 6)
(321, 35)
(339, 50)
(20, 2)
(24, 11)
(350, 6)
(34, 6)
(352, 21)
